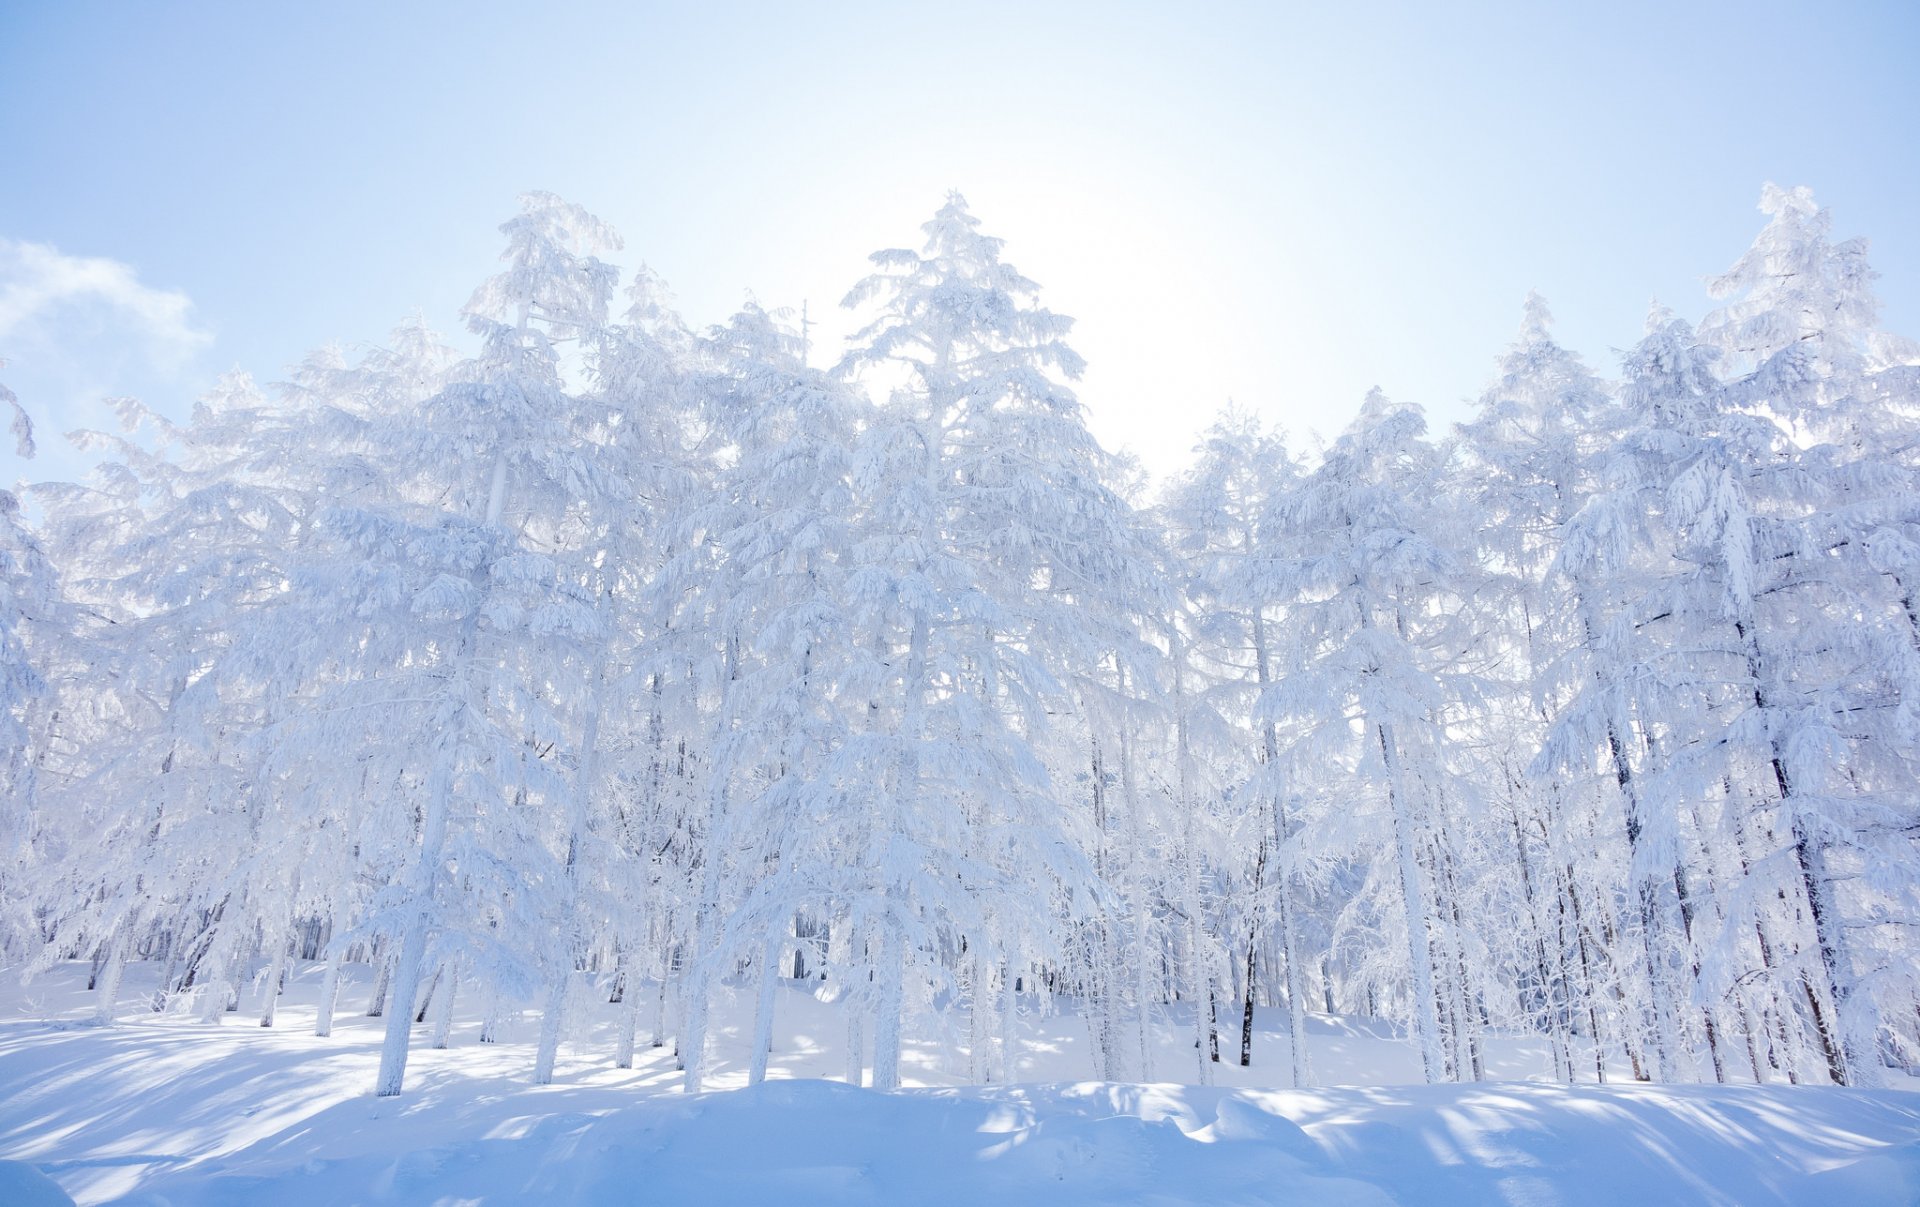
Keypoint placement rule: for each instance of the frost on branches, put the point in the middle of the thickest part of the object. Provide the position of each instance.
(610, 656)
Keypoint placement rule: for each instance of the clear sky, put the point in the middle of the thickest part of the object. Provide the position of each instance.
(1281, 203)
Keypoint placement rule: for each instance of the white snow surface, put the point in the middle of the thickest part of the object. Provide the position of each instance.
(161, 1109)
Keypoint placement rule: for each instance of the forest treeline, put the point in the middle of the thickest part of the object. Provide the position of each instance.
(684, 660)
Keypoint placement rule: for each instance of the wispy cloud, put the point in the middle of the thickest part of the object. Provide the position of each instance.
(38, 282)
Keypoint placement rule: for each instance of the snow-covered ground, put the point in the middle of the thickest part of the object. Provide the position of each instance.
(162, 1109)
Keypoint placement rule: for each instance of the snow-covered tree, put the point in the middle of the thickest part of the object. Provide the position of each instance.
(610, 658)
(1371, 682)
(971, 472)
(1215, 512)
(27, 607)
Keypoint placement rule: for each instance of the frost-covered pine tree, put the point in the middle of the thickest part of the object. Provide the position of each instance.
(448, 594)
(1215, 512)
(1370, 686)
(183, 558)
(646, 834)
(1738, 662)
(1533, 459)
(962, 838)
(1798, 338)
(782, 522)
(28, 595)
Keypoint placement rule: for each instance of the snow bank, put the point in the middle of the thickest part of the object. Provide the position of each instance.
(22, 1185)
(163, 1109)
(819, 1142)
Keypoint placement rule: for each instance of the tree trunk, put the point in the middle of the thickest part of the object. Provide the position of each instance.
(1199, 971)
(629, 1010)
(107, 983)
(443, 1005)
(887, 1006)
(579, 804)
(329, 994)
(275, 971)
(1284, 906)
(547, 1049)
(769, 976)
(1414, 902)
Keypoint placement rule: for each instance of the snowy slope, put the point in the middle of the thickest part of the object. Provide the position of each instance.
(166, 1110)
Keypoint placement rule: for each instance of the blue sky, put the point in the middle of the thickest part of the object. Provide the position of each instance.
(1284, 204)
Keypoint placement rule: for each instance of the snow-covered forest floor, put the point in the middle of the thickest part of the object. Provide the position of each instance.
(167, 1109)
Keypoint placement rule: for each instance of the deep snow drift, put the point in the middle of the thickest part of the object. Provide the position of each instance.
(162, 1109)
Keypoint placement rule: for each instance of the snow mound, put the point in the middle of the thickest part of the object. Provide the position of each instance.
(22, 1185)
(820, 1142)
(160, 1109)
